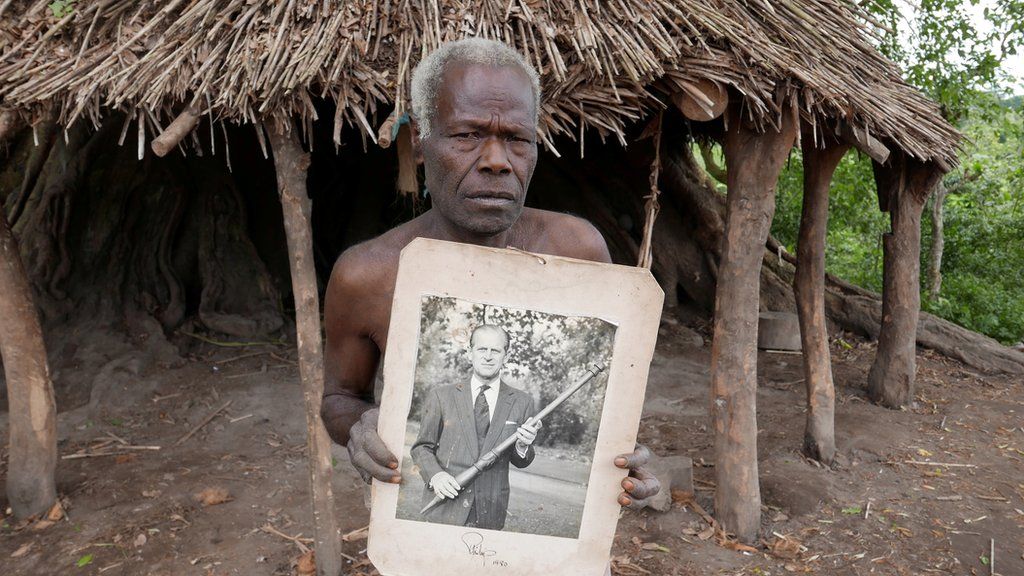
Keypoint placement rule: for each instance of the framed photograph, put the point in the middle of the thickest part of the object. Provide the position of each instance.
(512, 380)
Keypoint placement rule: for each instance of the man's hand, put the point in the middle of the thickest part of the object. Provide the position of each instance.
(526, 435)
(444, 485)
(370, 457)
(640, 485)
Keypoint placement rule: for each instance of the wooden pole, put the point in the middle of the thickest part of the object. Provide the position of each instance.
(32, 461)
(753, 161)
(175, 132)
(903, 187)
(809, 289)
(291, 163)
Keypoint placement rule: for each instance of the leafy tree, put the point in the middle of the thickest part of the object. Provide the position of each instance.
(958, 65)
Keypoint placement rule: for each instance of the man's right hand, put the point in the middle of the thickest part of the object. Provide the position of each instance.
(444, 485)
(370, 457)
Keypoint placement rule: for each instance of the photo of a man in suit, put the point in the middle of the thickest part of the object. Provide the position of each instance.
(464, 420)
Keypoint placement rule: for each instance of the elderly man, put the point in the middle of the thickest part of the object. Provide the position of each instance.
(474, 118)
(464, 420)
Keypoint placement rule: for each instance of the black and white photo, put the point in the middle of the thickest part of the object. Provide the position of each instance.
(482, 374)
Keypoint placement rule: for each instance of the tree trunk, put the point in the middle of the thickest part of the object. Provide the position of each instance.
(938, 242)
(903, 185)
(753, 162)
(291, 164)
(809, 289)
(32, 461)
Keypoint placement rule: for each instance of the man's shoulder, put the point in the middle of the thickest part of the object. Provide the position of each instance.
(375, 259)
(564, 234)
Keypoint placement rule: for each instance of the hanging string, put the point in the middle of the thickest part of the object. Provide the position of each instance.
(646, 256)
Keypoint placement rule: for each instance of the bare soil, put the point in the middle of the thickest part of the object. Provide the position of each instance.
(136, 511)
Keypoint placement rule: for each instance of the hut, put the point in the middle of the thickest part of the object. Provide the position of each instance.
(144, 141)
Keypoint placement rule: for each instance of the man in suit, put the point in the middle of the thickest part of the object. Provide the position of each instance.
(465, 420)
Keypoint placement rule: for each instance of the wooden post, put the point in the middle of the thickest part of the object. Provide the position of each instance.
(291, 163)
(903, 187)
(31, 485)
(753, 161)
(809, 289)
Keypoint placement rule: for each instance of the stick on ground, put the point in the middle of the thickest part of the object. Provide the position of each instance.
(205, 421)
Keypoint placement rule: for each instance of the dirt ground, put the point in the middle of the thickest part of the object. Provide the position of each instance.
(135, 511)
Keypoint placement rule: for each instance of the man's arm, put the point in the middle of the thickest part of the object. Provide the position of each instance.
(350, 357)
(350, 365)
(424, 450)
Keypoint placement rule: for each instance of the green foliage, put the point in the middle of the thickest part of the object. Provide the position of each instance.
(983, 264)
(61, 8)
(853, 247)
(547, 352)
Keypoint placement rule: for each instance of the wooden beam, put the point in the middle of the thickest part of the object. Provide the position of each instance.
(705, 100)
(809, 289)
(175, 132)
(754, 161)
(291, 163)
(32, 459)
(865, 142)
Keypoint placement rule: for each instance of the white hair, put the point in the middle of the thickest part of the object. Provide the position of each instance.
(426, 79)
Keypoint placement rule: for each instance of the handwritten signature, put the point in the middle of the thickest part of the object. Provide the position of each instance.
(474, 542)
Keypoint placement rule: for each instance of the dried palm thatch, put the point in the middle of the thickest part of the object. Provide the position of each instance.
(605, 63)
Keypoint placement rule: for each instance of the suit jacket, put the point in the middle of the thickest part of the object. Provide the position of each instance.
(448, 442)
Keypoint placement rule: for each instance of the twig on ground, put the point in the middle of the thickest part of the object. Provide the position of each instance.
(241, 357)
(358, 534)
(944, 464)
(227, 344)
(991, 557)
(205, 421)
(122, 450)
(158, 398)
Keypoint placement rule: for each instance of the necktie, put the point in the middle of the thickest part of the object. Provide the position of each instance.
(482, 415)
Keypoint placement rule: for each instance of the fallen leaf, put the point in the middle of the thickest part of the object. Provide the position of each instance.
(213, 496)
(786, 548)
(739, 547)
(706, 533)
(55, 513)
(306, 565)
(22, 550)
(681, 496)
(654, 546)
(140, 540)
(84, 561)
(923, 452)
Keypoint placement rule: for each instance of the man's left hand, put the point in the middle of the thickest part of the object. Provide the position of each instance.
(526, 435)
(640, 485)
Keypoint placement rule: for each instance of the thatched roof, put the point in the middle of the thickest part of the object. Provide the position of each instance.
(605, 63)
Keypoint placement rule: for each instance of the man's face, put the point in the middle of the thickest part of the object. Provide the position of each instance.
(488, 353)
(482, 148)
